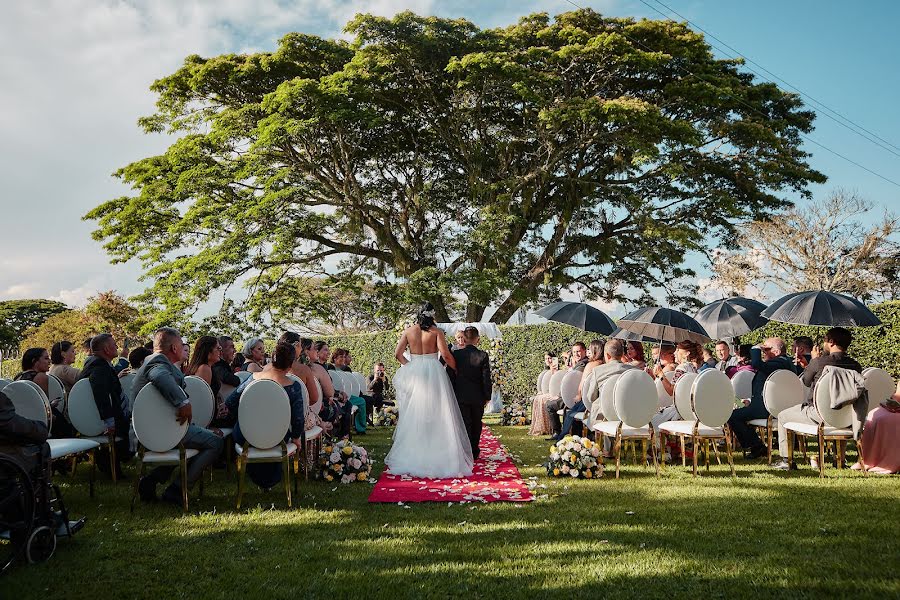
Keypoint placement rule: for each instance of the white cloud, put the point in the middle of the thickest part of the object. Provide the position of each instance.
(19, 291)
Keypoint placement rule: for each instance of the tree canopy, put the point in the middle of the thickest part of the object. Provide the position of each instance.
(17, 316)
(430, 159)
(107, 312)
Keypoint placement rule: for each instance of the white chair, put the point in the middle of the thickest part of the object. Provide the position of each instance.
(834, 425)
(634, 402)
(879, 384)
(29, 401)
(4, 383)
(160, 436)
(607, 398)
(555, 386)
(203, 404)
(85, 418)
(264, 417)
(545, 383)
(363, 382)
(782, 390)
(568, 389)
(665, 399)
(711, 405)
(127, 382)
(336, 380)
(540, 379)
(742, 382)
(56, 393)
(351, 384)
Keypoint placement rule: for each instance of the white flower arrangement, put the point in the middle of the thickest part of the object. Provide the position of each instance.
(576, 457)
(514, 413)
(386, 416)
(345, 461)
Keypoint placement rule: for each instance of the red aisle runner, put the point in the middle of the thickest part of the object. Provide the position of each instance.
(495, 478)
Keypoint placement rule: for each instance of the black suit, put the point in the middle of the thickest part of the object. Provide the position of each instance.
(472, 384)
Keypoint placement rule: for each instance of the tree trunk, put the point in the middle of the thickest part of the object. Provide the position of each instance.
(474, 312)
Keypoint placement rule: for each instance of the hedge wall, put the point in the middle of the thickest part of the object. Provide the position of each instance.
(523, 349)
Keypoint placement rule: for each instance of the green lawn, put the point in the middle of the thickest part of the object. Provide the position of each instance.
(763, 534)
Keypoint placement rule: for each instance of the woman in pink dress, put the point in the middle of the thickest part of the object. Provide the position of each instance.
(540, 420)
(881, 437)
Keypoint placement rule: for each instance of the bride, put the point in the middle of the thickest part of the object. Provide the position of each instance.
(430, 439)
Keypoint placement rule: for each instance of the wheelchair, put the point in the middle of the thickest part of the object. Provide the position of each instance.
(32, 513)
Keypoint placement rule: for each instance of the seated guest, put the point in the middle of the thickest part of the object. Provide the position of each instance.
(377, 386)
(339, 360)
(335, 411)
(136, 358)
(837, 342)
(237, 363)
(540, 422)
(766, 358)
(322, 354)
(679, 360)
(634, 352)
(709, 361)
(207, 353)
(222, 368)
(579, 355)
(741, 361)
(254, 355)
(595, 358)
(301, 369)
(881, 437)
(111, 402)
(185, 358)
(614, 353)
(268, 475)
(159, 370)
(726, 359)
(35, 366)
(121, 361)
(803, 346)
(62, 357)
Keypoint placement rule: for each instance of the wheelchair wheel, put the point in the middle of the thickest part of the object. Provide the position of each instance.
(41, 544)
(16, 511)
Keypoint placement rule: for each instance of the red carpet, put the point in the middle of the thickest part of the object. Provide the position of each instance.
(495, 478)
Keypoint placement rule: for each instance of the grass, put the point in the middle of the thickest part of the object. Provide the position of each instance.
(763, 534)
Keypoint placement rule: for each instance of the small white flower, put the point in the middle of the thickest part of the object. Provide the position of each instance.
(565, 469)
(574, 473)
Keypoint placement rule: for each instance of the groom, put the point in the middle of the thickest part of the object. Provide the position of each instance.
(472, 384)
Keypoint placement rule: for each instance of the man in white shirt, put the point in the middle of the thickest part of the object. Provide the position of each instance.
(726, 358)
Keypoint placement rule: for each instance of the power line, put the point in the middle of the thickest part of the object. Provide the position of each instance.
(822, 107)
(753, 108)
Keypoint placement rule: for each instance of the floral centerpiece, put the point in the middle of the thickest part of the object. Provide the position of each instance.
(514, 413)
(499, 368)
(574, 456)
(386, 416)
(345, 461)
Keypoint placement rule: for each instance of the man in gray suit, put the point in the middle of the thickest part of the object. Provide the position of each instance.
(159, 370)
(614, 351)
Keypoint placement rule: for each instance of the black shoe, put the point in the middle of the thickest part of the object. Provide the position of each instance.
(757, 452)
(147, 490)
(172, 495)
(552, 438)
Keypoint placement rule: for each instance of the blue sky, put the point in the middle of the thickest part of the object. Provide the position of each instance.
(75, 76)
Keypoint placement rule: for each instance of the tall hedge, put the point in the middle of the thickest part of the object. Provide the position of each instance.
(523, 348)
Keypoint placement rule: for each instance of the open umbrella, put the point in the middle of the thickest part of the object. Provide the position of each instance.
(621, 334)
(821, 308)
(665, 324)
(580, 315)
(728, 319)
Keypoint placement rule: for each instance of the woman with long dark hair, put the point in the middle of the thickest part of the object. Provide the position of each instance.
(206, 353)
(62, 356)
(430, 439)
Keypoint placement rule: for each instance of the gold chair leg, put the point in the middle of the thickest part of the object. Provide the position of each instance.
(643, 452)
(790, 444)
(861, 458)
(841, 447)
(706, 453)
(112, 458)
(696, 447)
(715, 448)
(184, 487)
(729, 452)
(653, 453)
(618, 450)
(285, 466)
(93, 475)
(769, 440)
(241, 473)
(683, 459)
(821, 454)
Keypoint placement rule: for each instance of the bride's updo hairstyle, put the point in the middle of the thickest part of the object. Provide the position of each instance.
(425, 318)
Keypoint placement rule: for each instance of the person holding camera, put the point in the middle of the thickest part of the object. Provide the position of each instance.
(377, 386)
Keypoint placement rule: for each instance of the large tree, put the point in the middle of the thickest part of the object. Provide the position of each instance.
(17, 316)
(459, 165)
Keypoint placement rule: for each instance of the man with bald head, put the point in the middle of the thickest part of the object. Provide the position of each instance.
(766, 358)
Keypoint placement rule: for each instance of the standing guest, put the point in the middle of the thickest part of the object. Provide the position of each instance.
(377, 385)
(726, 359)
(254, 355)
(540, 422)
(111, 402)
(62, 356)
(766, 358)
(159, 370)
(268, 475)
(222, 369)
(803, 346)
(837, 342)
(579, 357)
(207, 353)
(634, 352)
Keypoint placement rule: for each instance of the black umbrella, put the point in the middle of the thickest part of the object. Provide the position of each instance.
(728, 319)
(665, 324)
(580, 315)
(621, 334)
(821, 308)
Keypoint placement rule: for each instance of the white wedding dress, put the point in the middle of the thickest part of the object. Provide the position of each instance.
(430, 439)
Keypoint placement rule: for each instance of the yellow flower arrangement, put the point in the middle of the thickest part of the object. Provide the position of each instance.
(347, 450)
